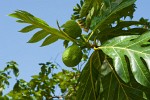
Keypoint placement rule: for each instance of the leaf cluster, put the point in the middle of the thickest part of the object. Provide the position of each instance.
(118, 68)
(5, 75)
(42, 85)
(50, 34)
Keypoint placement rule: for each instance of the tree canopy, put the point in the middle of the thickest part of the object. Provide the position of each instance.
(117, 69)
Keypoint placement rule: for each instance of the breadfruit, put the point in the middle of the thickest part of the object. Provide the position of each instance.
(72, 28)
(72, 56)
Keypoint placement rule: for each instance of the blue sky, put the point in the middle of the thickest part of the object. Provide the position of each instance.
(14, 44)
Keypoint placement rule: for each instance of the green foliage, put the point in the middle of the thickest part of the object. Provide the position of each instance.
(36, 23)
(118, 68)
(91, 70)
(115, 89)
(42, 85)
(39, 87)
(67, 81)
(5, 75)
(136, 48)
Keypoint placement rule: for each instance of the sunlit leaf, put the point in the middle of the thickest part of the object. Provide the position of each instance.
(131, 47)
(28, 29)
(38, 36)
(35, 22)
(50, 39)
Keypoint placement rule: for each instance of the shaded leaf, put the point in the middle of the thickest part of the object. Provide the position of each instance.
(89, 78)
(115, 89)
(14, 66)
(112, 16)
(106, 11)
(85, 8)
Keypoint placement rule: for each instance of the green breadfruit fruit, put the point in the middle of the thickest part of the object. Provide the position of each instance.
(72, 56)
(72, 28)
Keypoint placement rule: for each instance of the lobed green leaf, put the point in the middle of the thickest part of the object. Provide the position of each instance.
(111, 16)
(115, 89)
(25, 17)
(138, 56)
(88, 78)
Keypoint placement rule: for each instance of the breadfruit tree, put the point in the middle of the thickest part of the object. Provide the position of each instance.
(118, 67)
